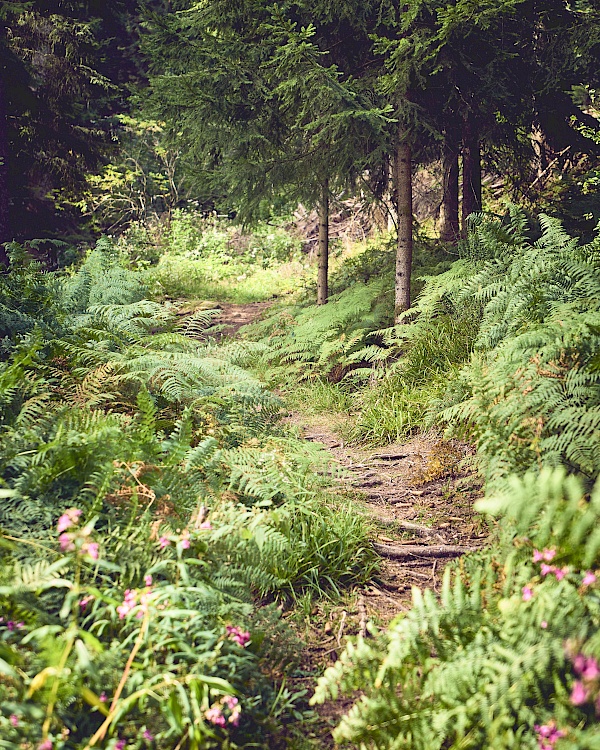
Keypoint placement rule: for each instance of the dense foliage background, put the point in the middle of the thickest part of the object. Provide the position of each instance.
(167, 538)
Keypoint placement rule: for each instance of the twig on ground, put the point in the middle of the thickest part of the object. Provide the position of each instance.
(410, 551)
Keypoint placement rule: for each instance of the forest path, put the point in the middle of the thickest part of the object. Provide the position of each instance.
(418, 498)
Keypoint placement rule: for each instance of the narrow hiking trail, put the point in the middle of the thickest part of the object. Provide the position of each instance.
(417, 500)
(417, 496)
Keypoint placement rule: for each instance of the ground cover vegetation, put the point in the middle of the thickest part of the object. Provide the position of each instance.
(161, 521)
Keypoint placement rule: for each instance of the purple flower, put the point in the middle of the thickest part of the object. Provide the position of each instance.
(548, 735)
(103, 697)
(591, 670)
(91, 549)
(215, 716)
(546, 569)
(185, 543)
(241, 637)
(560, 573)
(164, 542)
(69, 518)
(527, 593)
(14, 720)
(11, 625)
(148, 580)
(66, 542)
(120, 744)
(579, 694)
(589, 578)
(129, 602)
(147, 736)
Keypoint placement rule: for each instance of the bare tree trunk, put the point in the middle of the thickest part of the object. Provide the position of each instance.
(450, 228)
(471, 184)
(322, 275)
(403, 189)
(5, 235)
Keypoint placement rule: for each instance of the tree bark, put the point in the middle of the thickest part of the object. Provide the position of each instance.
(404, 250)
(450, 228)
(5, 235)
(322, 274)
(471, 182)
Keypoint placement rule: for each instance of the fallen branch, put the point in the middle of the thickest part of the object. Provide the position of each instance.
(390, 456)
(362, 616)
(410, 551)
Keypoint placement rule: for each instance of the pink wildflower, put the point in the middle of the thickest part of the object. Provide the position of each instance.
(85, 601)
(148, 580)
(560, 573)
(527, 593)
(91, 549)
(128, 604)
(215, 716)
(14, 720)
(45, 745)
(69, 518)
(543, 624)
(147, 736)
(579, 663)
(579, 694)
(537, 555)
(66, 542)
(239, 636)
(120, 744)
(164, 542)
(103, 697)
(206, 525)
(546, 569)
(185, 543)
(589, 578)
(11, 625)
(591, 670)
(548, 735)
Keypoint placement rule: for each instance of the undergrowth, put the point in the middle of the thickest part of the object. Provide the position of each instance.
(149, 500)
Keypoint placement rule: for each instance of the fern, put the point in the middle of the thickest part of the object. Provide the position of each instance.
(483, 665)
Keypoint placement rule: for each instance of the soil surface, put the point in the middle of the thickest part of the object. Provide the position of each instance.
(418, 497)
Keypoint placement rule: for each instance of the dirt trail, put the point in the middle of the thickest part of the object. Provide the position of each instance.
(419, 497)
(231, 316)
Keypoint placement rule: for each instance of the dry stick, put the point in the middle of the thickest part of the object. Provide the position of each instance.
(136, 647)
(341, 628)
(409, 551)
(362, 615)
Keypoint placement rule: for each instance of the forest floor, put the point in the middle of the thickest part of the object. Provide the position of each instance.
(417, 500)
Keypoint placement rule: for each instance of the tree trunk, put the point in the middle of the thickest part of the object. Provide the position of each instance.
(322, 280)
(4, 192)
(471, 183)
(403, 189)
(450, 228)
